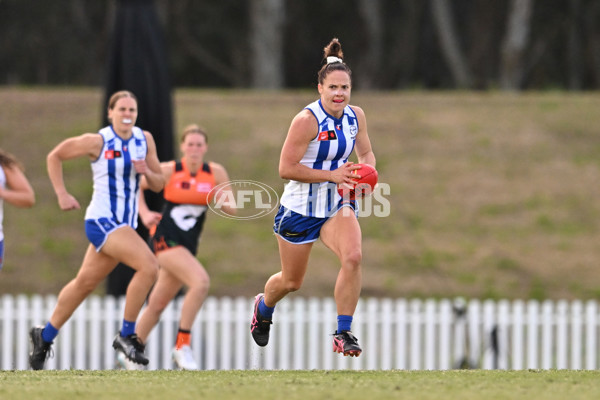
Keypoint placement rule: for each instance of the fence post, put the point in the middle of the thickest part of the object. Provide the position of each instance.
(225, 333)
(80, 332)
(445, 321)
(547, 334)
(212, 314)
(243, 311)
(22, 337)
(314, 332)
(385, 338)
(576, 334)
(474, 337)
(94, 333)
(459, 310)
(503, 329)
(518, 321)
(373, 343)
(401, 333)
(562, 335)
(491, 353)
(430, 348)
(591, 327)
(299, 334)
(328, 307)
(415, 334)
(533, 312)
(7, 331)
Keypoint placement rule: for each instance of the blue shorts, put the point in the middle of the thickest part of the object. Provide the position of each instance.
(97, 230)
(1, 253)
(297, 228)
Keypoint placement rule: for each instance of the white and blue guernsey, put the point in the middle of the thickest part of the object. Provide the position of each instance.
(330, 149)
(116, 183)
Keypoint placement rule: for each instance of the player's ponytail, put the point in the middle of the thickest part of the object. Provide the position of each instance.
(333, 58)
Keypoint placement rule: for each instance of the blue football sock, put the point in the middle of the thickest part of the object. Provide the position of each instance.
(49, 333)
(344, 322)
(264, 310)
(128, 328)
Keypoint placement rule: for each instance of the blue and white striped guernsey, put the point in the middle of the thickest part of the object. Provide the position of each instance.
(330, 149)
(116, 184)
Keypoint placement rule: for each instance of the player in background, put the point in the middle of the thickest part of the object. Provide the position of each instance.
(14, 189)
(120, 154)
(314, 158)
(175, 234)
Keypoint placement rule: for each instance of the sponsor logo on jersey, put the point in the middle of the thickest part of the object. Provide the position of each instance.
(112, 154)
(327, 135)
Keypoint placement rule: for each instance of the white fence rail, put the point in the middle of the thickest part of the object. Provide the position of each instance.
(394, 334)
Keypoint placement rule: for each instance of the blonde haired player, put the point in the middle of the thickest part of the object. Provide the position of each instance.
(176, 231)
(120, 154)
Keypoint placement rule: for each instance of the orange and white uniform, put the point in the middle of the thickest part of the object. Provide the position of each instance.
(187, 197)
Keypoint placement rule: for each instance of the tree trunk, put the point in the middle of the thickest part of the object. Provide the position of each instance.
(368, 65)
(484, 28)
(444, 25)
(266, 42)
(591, 18)
(198, 52)
(403, 59)
(574, 48)
(515, 43)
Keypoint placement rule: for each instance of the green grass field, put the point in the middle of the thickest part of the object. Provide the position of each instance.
(300, 385)
(493, 195)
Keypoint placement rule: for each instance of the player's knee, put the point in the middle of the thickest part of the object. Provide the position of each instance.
(150, 272)
(149, 267)
(200, 279)
(205, 285)
(86, 285)
(200, 285)
(353, 258)
(158, 306)
(292, 285)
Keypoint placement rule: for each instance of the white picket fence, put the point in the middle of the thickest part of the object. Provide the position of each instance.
(394, 333)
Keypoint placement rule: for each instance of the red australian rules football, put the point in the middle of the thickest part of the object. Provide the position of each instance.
(363, 186)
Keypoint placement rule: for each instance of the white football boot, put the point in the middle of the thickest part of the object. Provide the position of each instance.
(184, 358)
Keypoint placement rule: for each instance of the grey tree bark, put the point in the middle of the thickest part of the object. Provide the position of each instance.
(199, 52)
(574, 47)
(372, 57)
(592, 32)
(514, 45)
(266, 41)
(404, 57)
(444, 25)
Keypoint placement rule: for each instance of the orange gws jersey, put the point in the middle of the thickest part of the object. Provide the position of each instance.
(186, 188)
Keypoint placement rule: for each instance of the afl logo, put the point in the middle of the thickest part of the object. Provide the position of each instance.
(251, 199)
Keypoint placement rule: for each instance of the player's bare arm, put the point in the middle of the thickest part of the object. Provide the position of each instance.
(302, 130)
(88, 144)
